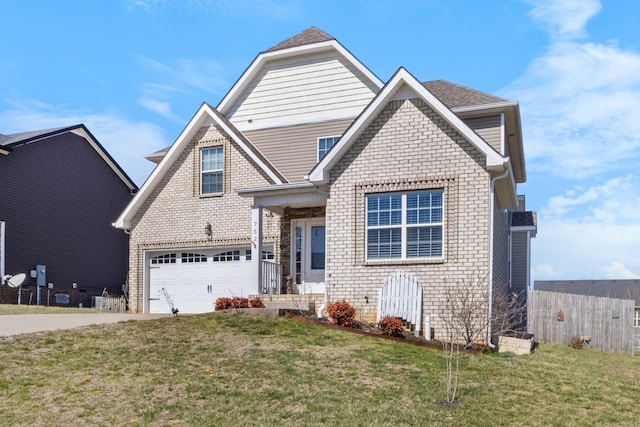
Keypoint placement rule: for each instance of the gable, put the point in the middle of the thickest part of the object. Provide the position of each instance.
(206, 116)
(404, 86)
(307, 78)
(180, 185)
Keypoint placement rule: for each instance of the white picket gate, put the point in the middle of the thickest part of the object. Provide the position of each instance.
(401, 296)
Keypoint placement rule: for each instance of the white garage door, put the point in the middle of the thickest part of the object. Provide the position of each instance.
(192, 281)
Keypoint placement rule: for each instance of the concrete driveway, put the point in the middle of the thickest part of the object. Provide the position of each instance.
(15, 324)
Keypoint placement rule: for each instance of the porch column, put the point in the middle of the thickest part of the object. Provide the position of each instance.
(256, 245)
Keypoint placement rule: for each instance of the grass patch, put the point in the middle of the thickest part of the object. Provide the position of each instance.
(41, 309)
(229, 369)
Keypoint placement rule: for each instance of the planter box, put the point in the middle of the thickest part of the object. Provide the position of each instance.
(515, 345)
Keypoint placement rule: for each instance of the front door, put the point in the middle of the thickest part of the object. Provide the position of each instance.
(308, 255)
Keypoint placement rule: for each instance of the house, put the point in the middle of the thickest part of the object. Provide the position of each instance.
(312, 168)
(628, 289)
(60, 193)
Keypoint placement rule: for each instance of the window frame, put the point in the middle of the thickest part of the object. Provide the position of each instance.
(636, 318)
(405, 225)
(335, 138)
(204, 172)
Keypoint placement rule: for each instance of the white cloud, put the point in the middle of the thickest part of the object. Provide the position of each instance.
(280, 10)
(564, 18)
(617, 270)
(590, 233)
(178, 78)
(580, 100)
(125, 141)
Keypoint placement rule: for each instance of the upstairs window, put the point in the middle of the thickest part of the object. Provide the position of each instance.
(325, 144)
(211, 170)
(405, 225)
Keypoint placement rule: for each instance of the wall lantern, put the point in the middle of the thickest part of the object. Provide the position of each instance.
(207, 230)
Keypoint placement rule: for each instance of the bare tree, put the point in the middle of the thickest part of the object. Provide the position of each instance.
(466, 316)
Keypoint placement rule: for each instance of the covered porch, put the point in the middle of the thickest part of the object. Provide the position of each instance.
(299, 266)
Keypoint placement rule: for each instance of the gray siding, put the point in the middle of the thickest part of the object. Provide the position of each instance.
(59, 200)
(519, 249)
(293, 150)
(501, 229)
(300, 90)
(488, 128)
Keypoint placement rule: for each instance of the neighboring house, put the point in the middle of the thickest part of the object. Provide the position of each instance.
(336, 179)
(620, 289)
(60, 193)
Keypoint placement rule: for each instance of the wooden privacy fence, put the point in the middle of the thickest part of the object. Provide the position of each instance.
(555, 317)
(401, 296)
(111, 304)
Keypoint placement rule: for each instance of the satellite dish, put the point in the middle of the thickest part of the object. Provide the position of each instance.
(17, 280)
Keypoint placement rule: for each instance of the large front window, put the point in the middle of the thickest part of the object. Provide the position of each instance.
(211, 170)
(405, 225)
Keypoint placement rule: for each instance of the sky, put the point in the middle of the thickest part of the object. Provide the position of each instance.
(136, 71)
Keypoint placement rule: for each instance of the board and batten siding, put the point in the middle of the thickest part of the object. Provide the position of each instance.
(488, 128)
(318, 86)
(293, 150)
(519, 249)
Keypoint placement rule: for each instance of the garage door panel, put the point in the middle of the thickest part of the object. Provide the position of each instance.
(193, 286)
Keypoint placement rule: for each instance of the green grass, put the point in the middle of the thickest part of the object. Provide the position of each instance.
(236, 370)
(41, 309)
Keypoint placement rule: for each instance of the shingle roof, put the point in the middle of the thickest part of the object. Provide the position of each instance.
(621, 289)
(24, 137)
(308, 36)
(523, 219)
(454, 96)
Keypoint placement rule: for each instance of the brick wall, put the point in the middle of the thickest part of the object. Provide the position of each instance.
(175, 215)
(407, 147)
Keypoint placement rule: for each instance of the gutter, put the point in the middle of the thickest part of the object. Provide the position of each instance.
(490, 279)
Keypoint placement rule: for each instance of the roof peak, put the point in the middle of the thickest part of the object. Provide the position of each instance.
(454, 95)
(309, 36)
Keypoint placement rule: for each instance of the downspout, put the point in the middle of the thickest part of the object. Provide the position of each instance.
(490, 279)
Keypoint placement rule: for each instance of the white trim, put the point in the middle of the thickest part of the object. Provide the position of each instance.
(502, 136)
(204, 116)
(327, 151)
(264, 57)
(404, 226)
(398, 85)
(82, 133)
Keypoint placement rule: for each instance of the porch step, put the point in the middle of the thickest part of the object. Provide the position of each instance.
(305, 302)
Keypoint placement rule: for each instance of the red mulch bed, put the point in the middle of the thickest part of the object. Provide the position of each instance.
(367, 330)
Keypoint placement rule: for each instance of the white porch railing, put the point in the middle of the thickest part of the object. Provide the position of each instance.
(271, 277)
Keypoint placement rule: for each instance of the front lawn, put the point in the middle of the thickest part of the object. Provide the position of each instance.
(226, 369)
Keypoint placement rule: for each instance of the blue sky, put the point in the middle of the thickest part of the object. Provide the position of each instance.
(135, 71)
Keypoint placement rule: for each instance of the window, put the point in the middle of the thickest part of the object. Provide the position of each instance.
(164, 259)
(405, 225)
(211, 170)
(227, 256)
(325, 144)
(189, 257)
(636, 318)
(266, 255)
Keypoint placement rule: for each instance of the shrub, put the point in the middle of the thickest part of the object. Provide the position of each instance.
(391, 326)
(236, 302)
(256, 303)
(223, 303)
(341, 313)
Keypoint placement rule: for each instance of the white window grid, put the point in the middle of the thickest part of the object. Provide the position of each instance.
(404, 226)
(211, 170)
(324, 145)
